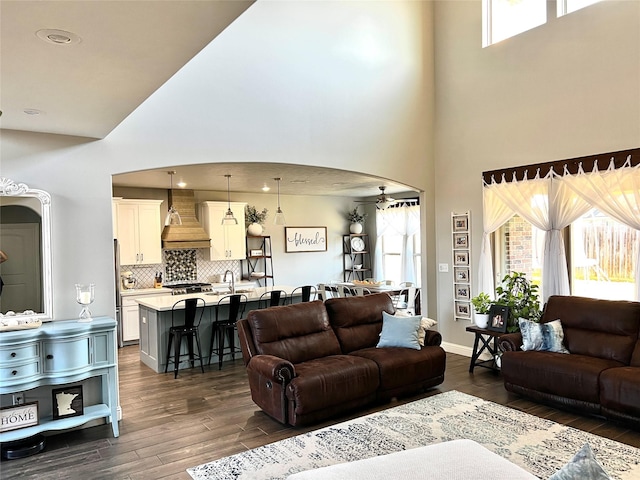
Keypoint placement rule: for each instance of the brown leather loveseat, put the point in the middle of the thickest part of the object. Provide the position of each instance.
(600, 375)
(310, 361)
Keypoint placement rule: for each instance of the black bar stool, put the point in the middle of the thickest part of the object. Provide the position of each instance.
(309, 292)
(273, 298)
(227, 326)
(193, 310)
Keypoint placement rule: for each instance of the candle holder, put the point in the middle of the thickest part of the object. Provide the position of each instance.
(85, 296)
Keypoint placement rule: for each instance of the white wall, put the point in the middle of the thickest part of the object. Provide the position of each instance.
(337, 84)
(562, 90)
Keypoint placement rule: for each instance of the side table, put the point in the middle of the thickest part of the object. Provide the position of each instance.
(489, 339)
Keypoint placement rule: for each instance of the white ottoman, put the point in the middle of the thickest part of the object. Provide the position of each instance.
(454, 460)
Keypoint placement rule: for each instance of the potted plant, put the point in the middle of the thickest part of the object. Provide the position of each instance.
(254, 220)
(356, 219)
(521, 296)
(481, 305)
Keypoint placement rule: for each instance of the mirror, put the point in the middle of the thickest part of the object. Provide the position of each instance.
(25, 239)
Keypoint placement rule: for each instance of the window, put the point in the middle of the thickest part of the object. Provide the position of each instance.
(601, 250)
(569, 6)
(603, 257)
(506, 18)
(392, 257)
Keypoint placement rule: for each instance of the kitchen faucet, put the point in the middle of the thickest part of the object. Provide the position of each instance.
(232, 283)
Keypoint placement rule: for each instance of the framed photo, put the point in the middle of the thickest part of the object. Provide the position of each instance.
(19, 416)
(305, 239)
(67, 402)
(461, 274)
(460, 258)
(460, 240)
(463, 309)
(462, 292)
(255, 253)
(498, 316)
(460, 223)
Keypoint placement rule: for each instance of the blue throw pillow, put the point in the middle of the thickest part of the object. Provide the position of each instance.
(542, 336)
(583, 466)
(399, 331)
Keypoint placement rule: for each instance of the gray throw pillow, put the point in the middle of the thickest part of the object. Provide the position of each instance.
(542, 336)
(583, 466)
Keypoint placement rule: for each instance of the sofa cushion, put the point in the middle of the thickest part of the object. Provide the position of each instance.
(399, 331)
(620, 390)
(402, 367)
(297, 333)
(357, 321)
(331, 380)
(425, 324)
(542, 336)
(570, 376)
(597, 328)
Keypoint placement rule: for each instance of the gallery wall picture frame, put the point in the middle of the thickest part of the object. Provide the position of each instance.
(67, 402)
(461, 291)
(461, 274)
(460, 222)
(498, 318)
(463, 309)
(305, 239)
(460, 257)
(19, 416)
(460, 240)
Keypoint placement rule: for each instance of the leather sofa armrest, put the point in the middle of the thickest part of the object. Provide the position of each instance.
(511, 342)
(275, 368)
(432, 338)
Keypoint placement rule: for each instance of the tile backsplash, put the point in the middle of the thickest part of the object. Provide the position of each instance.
(182, 266)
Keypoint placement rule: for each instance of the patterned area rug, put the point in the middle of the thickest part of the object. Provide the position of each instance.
(539, 446)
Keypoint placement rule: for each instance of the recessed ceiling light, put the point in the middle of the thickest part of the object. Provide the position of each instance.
(181, 184)
(265, 188)
(58, 37)
(32, 111)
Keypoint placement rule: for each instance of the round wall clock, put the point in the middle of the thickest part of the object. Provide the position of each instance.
(357, 244)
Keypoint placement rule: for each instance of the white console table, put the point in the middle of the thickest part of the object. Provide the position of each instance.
(59, 353)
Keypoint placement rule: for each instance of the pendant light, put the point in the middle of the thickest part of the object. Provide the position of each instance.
(278, 219)
(228, 218)
(173, 217)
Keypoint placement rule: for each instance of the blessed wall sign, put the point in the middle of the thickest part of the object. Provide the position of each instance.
(305, 239)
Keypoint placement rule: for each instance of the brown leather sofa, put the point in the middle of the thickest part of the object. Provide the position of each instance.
(311, 361)
(600, 376)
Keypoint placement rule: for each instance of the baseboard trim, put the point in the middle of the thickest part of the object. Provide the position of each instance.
(462, 350)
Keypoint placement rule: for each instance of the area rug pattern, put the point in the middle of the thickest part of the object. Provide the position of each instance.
(540, 446)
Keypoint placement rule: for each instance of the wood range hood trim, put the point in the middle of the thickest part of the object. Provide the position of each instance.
(190, 234)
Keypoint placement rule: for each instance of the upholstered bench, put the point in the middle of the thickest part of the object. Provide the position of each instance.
(454, 460)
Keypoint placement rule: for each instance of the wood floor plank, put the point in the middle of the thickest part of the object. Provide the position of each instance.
(171, 424)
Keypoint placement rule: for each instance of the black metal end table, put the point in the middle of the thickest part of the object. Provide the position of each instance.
(489, 339)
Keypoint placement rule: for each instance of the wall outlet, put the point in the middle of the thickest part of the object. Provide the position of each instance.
(443, 267)
(18, 398)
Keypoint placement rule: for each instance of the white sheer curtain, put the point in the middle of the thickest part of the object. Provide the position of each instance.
(402, 220)
(615, 192)
(495, 214)
(548, 205)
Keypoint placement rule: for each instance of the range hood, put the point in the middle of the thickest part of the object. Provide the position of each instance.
(190, 234)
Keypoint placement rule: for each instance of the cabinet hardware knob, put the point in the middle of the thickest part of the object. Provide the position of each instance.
(49, 357)
(14, 372)
(13, 354)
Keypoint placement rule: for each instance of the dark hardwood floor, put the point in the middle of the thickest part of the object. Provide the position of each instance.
(171, 424)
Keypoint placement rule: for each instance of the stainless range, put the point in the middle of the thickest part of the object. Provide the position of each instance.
(185, 288)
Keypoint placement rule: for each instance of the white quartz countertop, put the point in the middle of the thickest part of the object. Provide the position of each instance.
(144, 291)
(166, 302)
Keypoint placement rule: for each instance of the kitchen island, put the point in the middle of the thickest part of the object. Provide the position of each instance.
(155, 321)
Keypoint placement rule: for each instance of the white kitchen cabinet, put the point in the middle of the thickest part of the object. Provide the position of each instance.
(228, 241)
(139, 231)
(130, 328)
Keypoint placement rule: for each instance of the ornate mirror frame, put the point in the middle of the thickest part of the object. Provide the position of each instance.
(9, 188)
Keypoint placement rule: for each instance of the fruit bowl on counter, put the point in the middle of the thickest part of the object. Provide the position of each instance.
(367, 283)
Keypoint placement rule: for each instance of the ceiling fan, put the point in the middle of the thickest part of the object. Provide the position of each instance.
(383, 200)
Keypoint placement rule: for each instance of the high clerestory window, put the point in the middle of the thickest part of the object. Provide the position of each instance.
(504, 19)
